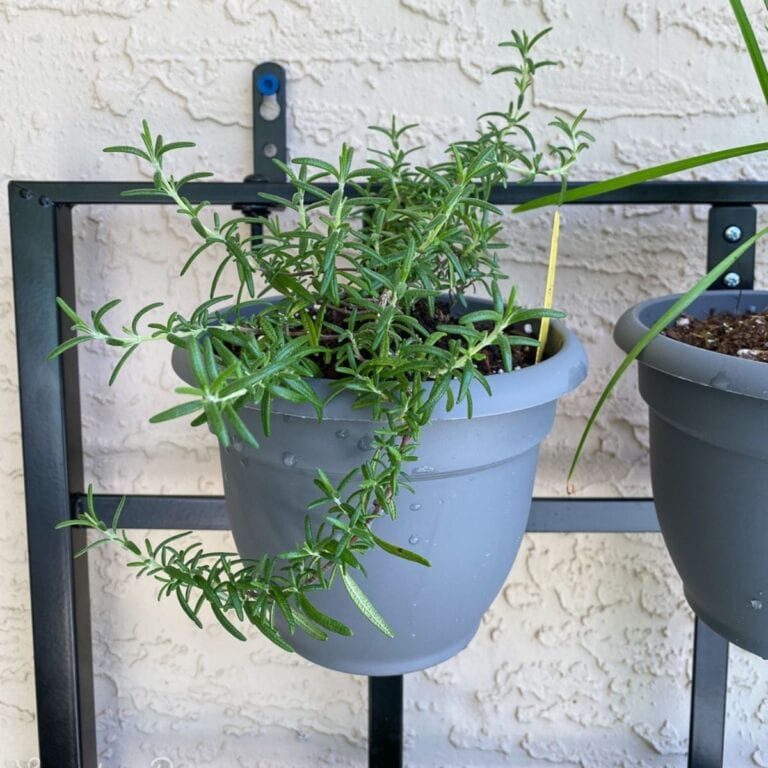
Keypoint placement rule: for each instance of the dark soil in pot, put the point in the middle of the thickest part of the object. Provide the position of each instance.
(744, 335)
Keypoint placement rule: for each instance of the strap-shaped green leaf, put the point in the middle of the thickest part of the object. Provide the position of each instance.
(636, 177)
(758, 62)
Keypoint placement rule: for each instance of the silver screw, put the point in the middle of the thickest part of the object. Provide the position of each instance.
(732, 234)
(732, 280)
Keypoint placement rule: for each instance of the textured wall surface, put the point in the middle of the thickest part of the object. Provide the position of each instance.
(584, 659)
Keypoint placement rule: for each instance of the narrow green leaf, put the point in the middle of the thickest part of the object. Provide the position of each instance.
(241, 429)
(174, 145)
(143, 192)
(314, 162)
(323, 619)
(225, 622)
(636, 177)
(90, 546)
(365, 606)
(176, 411)
(752, 45)
(401, 552)
(120, 363)
(270, 633)
(480, 316)
(188, 608)
(306, 626)
(128, 151)
(68, 344)
(68, 311)
(285, 608)
(118, 512)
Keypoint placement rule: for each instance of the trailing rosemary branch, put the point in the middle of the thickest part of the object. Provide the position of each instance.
(377, 252)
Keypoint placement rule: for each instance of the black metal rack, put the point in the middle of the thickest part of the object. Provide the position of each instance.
(43, 268)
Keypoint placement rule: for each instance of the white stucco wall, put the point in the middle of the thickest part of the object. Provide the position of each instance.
(584, 659)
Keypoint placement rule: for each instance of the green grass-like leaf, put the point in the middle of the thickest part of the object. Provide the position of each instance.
(753, 48)
(637, 177)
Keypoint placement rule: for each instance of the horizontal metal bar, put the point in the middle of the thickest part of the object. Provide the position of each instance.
(547, 515)
(610, 515)
(232, 193)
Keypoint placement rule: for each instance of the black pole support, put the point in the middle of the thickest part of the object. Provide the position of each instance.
(708, 697)
(43, 267)
(385, 722)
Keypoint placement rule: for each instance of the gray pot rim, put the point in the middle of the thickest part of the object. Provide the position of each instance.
(700, 366)
(514, 391)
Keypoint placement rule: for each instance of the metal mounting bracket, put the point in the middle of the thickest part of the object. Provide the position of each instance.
(729, 227)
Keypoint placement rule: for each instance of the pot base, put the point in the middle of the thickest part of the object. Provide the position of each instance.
(756, 646)
(334, 655)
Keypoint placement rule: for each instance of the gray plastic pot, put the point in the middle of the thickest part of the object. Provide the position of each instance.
(709, 466)
(473, 483)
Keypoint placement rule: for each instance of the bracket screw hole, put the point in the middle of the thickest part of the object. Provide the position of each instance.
(269, 150)
(269, 109)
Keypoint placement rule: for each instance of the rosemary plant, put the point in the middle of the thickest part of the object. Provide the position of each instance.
(360, 274)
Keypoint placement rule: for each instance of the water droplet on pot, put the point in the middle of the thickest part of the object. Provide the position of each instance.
(756, 604)
(342, 434)
(289, 459)
(720, 381)
(415, 507)
(365, 443)
(245, 461)
(413, 539)
(238, 446)
(425, 470)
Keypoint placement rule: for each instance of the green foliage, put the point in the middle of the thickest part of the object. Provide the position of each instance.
(371, 250)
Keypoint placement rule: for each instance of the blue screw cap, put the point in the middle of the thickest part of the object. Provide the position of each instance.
(268, 85)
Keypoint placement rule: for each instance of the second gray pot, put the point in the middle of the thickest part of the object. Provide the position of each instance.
(708, 417)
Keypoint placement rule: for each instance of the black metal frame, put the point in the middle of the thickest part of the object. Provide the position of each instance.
(43, 268)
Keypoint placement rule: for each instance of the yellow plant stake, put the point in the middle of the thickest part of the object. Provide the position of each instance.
(550, 288)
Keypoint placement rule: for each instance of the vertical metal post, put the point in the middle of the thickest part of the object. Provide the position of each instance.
(708, 696)
(385, 722)
(40, 235)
